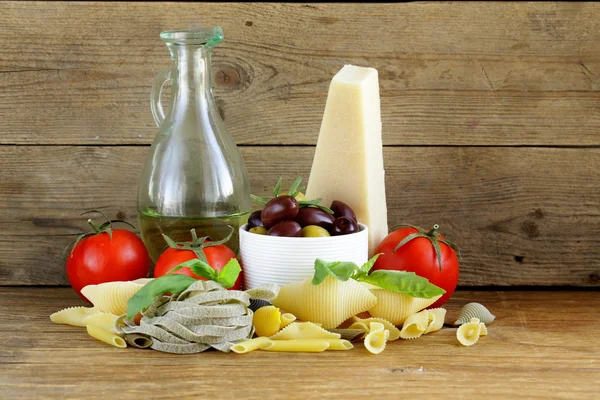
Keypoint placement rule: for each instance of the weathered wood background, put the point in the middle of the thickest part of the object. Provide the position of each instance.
(491, 116)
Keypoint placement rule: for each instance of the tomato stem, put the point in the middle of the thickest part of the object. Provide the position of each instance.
(95, 227)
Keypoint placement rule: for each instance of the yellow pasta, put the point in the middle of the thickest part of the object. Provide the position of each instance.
(338, 344)
(266, 321)
(286, 319)
(377, 337)
(251, 345)
(104, 321)
(73, 315)
(112, 297)
(329, 303)
(298, 345)
(363, 323)
(106, 336)
(437, 316)
(304, 330)
(415, 325)
(396, 307)
(468, 334)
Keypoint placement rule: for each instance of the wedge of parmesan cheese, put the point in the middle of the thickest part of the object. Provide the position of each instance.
(348, 162)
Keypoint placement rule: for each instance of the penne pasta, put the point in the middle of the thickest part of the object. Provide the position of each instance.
(298, 345)
(104, 321)
(251, 345)
(106, 336)
(73, 316)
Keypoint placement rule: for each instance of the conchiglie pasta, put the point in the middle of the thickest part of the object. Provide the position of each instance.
(267, 321)
(474, 310)
(377, 338)
(329, 303)
(396, 307)
(74, 316)
(112, 297)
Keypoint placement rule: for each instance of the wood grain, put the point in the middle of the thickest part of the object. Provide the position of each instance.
(541, 346)
(522, 216)
(450, 73)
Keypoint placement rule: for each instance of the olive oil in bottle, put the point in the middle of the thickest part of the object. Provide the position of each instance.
(194, 176)
(153, 226)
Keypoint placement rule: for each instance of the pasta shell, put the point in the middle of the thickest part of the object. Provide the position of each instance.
(437, 316)
(415, 325)
(396, 307)
(329, 303)
(267, 321)
(112, 297)
(304, 330)
(73, 316)
(474, 310)
(363, 323)
(286, 319)
(377, 338)
(468, 334)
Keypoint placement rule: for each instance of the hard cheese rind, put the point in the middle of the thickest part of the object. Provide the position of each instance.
(348, 162)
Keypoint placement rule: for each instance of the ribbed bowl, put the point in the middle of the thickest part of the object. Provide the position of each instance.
(282, 260)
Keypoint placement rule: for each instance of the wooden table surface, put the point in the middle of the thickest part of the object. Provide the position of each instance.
(542, 345)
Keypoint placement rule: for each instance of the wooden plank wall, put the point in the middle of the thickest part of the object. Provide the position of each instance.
(491, 116)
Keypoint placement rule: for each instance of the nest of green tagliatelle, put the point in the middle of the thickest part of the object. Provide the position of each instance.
(204, 316)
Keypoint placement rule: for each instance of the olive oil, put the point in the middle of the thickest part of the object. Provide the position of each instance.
(153, 226)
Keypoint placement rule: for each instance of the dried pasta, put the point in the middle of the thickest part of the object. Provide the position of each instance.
(415, 325)
(74, 316)
(437, 316)
(363, 323)
(286, 319)
(474, 310)
(104, 321)
(304, 330)
(329, 303)
(396, 307)
(112, 297)
(468, 333)
(298, 345)
(106, 336)
(251, 345)
(203, 316)
(338, 344)
(267, 321)
(377, 338)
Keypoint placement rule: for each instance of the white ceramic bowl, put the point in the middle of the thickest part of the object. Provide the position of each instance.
(282, 260)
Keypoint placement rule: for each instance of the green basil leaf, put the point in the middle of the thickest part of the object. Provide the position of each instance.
(229, 273)
(165, 284)
(403, 282)
(341, 270)
(201, 268)
(366, 267)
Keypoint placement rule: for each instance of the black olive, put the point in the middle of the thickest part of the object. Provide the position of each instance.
(286, 228)
(279, 209)
(344, 226)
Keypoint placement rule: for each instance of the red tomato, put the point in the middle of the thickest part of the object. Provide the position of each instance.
(418, 256)
(217, 256)
(98, 259)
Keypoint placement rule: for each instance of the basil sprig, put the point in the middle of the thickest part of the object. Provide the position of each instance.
(404, 282)
(177, 283)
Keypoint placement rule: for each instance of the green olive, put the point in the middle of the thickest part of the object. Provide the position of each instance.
(261, 230)
(314, 231)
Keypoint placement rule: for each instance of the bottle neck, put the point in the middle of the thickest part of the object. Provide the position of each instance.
(192, 75)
